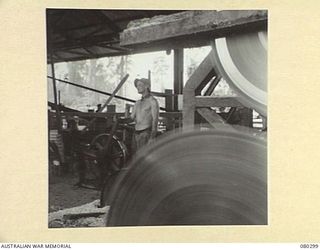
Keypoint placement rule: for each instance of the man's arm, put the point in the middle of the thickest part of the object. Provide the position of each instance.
(155, 117)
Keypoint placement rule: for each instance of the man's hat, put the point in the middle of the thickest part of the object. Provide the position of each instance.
(145, 81)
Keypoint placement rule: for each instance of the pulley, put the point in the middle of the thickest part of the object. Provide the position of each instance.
(241, 59)
(212, 177)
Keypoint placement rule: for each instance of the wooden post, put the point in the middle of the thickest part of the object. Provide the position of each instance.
(246, 117)
(189, 107)
(126, 115)
(149, 76)
(178, 75)
(55, 95)
(202, 75)
(168, 100)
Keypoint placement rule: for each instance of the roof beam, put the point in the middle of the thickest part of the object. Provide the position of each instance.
(90, 51)
(82, 27)
(194, 25)
(74, 52)
(90, 41)
(111, 24)
(116, 48)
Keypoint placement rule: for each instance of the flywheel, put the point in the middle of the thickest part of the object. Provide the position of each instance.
(241, 59)
(210, 177)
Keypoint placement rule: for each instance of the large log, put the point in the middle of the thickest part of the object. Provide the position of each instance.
(190, 28)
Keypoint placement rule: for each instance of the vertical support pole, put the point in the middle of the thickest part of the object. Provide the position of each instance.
(264, 123)
(55, 95)
(149, 75)
(59, 95)
(126, 115)
(168, 100)
(169, 108)
(200, 77)
(178, 75)
(189, 108)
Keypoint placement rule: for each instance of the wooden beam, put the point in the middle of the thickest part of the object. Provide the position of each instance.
(212, 86)
(119, 86)
(97, 91)
(121, 114)
(205, 81)
(62, 108)
(202, 74)
(213, 118)
(86, 57)
(55, 55)
(92, 114)
(90, 33)
(192, 23)
(171, 115)
(198, 79)
(168, 99)
(89, 51)
(111, 24)
(74, 52)
(91, 41)
(93, 90)
(114, 47)
(189, 108)
(178, 75)
(212, 101)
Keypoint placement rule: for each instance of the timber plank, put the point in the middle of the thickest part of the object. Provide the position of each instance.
(213, 118)
(213, 101)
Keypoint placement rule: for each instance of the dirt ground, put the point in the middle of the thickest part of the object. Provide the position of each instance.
(63, 193)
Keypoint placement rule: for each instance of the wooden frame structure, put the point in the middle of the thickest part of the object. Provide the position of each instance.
(194, 103)
(194, 29)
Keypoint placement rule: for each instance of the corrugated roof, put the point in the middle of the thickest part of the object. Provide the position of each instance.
(78, 34)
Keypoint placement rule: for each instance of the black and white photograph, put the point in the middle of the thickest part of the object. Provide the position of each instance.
(157, 117)
(136, 124)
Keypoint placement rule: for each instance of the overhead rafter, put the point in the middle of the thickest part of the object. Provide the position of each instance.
(90, 41)
(110, 23)
(117, 48)
(75, 52)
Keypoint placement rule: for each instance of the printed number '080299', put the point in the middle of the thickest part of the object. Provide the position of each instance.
(309, 246)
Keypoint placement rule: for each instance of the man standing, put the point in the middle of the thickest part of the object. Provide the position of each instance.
(145, 114)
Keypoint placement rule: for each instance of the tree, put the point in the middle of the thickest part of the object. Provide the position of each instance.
(160, 70)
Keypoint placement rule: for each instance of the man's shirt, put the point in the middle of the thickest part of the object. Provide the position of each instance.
(145, 113)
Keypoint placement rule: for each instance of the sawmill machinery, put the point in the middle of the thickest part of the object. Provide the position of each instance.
(211, 177)
(196, 176)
